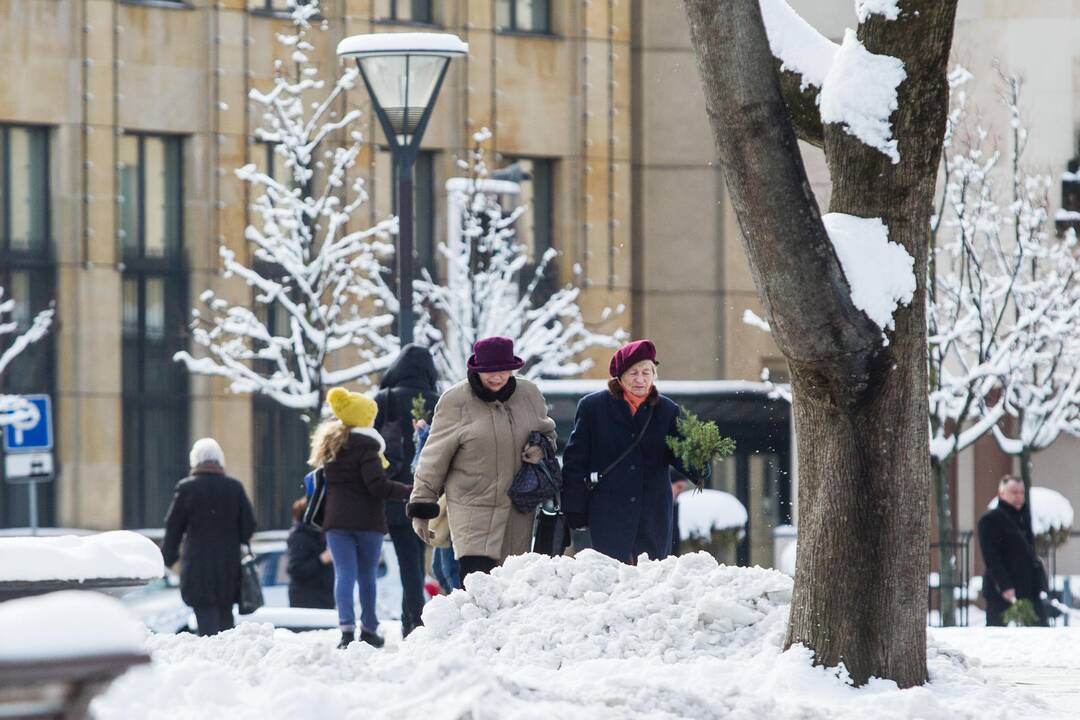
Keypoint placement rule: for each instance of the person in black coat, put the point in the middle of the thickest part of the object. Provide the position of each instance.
(211, 514)
(1013, 568)
(629, 511)
(412, 374)
(310, 565)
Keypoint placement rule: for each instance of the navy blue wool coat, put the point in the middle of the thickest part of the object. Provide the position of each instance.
(630, 511)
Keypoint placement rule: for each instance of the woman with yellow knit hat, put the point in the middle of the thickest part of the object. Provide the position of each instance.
(350, 452)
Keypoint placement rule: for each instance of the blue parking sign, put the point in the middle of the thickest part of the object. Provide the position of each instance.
(32, 439)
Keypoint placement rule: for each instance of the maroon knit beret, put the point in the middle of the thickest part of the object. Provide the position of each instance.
(630, 354)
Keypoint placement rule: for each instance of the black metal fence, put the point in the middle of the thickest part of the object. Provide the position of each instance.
(958, 549)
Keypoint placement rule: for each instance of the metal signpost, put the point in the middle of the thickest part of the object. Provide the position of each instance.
(28, 456)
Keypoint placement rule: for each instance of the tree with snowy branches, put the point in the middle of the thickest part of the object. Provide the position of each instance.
(843, 293)
(490, 291)
(322, 308)
(1003, 307)
(14, 409)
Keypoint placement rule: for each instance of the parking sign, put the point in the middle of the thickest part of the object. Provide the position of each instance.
(38, 438)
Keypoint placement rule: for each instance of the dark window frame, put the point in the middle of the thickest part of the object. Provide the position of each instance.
(39, 263)
(514, 27)
(392, 17)
(146, 398)
(543, 224)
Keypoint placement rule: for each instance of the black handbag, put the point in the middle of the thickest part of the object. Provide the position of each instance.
(536, 483)
(251, 596)
(316, 506)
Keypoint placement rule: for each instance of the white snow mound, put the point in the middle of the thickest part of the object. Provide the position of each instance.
(67, 624)
(583, 637)
(703, 511)
(117, 554)
(881, 273)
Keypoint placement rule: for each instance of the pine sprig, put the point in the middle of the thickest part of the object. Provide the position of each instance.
(419, 409)
(1021, 614)
(698, 443)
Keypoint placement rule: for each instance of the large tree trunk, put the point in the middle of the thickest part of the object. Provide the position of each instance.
(860, 405)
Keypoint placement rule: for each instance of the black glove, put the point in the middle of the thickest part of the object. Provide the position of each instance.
(577, 520)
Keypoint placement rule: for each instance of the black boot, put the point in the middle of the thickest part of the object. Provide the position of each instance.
(347, 637)
(372, 639)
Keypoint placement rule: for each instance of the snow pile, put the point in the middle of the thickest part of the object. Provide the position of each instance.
(118, 554)
(553, 638)
(1050, 510)
(68, 624)
(881, 273)
(860, 92)
(796, 44)
(703, 511)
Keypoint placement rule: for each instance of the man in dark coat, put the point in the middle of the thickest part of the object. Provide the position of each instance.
(211, 513)
(412, 374)
(629, 511)
(310, 566)
(1013, 568)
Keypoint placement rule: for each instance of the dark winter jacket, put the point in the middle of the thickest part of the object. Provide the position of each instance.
(211, 513)
(311, 582)
(1008, 550)
(412, 374)
(357, 486)
(630, 511)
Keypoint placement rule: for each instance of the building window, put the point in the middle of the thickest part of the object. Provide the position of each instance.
(405, 11)
(277, 7)
(425, 206)
(28, 276)
(534, 230)
(532, 16)
(153, 318)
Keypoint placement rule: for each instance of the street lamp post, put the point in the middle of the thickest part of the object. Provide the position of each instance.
(403, 73)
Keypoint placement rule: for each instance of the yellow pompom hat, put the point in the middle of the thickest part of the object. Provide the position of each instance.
(353, 409)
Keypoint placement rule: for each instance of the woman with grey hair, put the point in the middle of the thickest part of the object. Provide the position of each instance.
(211, 513)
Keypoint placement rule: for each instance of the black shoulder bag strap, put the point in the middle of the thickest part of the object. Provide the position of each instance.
(593, 483)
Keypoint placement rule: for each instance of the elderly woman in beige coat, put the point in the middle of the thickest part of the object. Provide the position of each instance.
(476, 446)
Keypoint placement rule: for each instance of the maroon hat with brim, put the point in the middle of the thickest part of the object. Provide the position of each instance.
(629, 355)
(494, 354)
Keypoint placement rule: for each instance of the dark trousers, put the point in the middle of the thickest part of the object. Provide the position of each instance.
(410, 556)
(469, 564)
(213, 620)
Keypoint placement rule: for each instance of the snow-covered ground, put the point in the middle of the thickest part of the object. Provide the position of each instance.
(570, 638)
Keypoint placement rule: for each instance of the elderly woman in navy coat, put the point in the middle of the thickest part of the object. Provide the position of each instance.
(629, 510)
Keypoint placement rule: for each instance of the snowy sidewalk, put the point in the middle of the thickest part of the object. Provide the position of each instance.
(1042, 661)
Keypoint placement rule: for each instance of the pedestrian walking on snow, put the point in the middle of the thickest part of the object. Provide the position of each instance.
(211, 515)
(350, 453)
(476, 446)
(616, 477)
(411, 375)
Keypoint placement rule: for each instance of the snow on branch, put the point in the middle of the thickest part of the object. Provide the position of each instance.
(322, 308)
(491, 290)
(796, 44)
(14, 409)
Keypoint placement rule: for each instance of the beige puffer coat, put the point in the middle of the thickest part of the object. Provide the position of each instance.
(473, 452)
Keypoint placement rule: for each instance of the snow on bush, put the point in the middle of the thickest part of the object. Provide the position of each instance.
(68, 624)
(881, 273)
(118, 554)
(702, 512)
(540, 637)
(1050, 511)
(860, 93)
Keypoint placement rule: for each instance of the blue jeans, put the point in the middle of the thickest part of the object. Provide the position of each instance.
(356, 560)
(445, 567)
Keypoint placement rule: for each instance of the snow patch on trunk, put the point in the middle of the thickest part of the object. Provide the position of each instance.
(887, 8)
(796, 44)
(860, 93)
(881, 273)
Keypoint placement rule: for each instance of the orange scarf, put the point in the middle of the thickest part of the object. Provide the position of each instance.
(633, 400)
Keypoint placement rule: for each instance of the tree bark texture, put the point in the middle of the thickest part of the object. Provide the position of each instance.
(860, 405)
